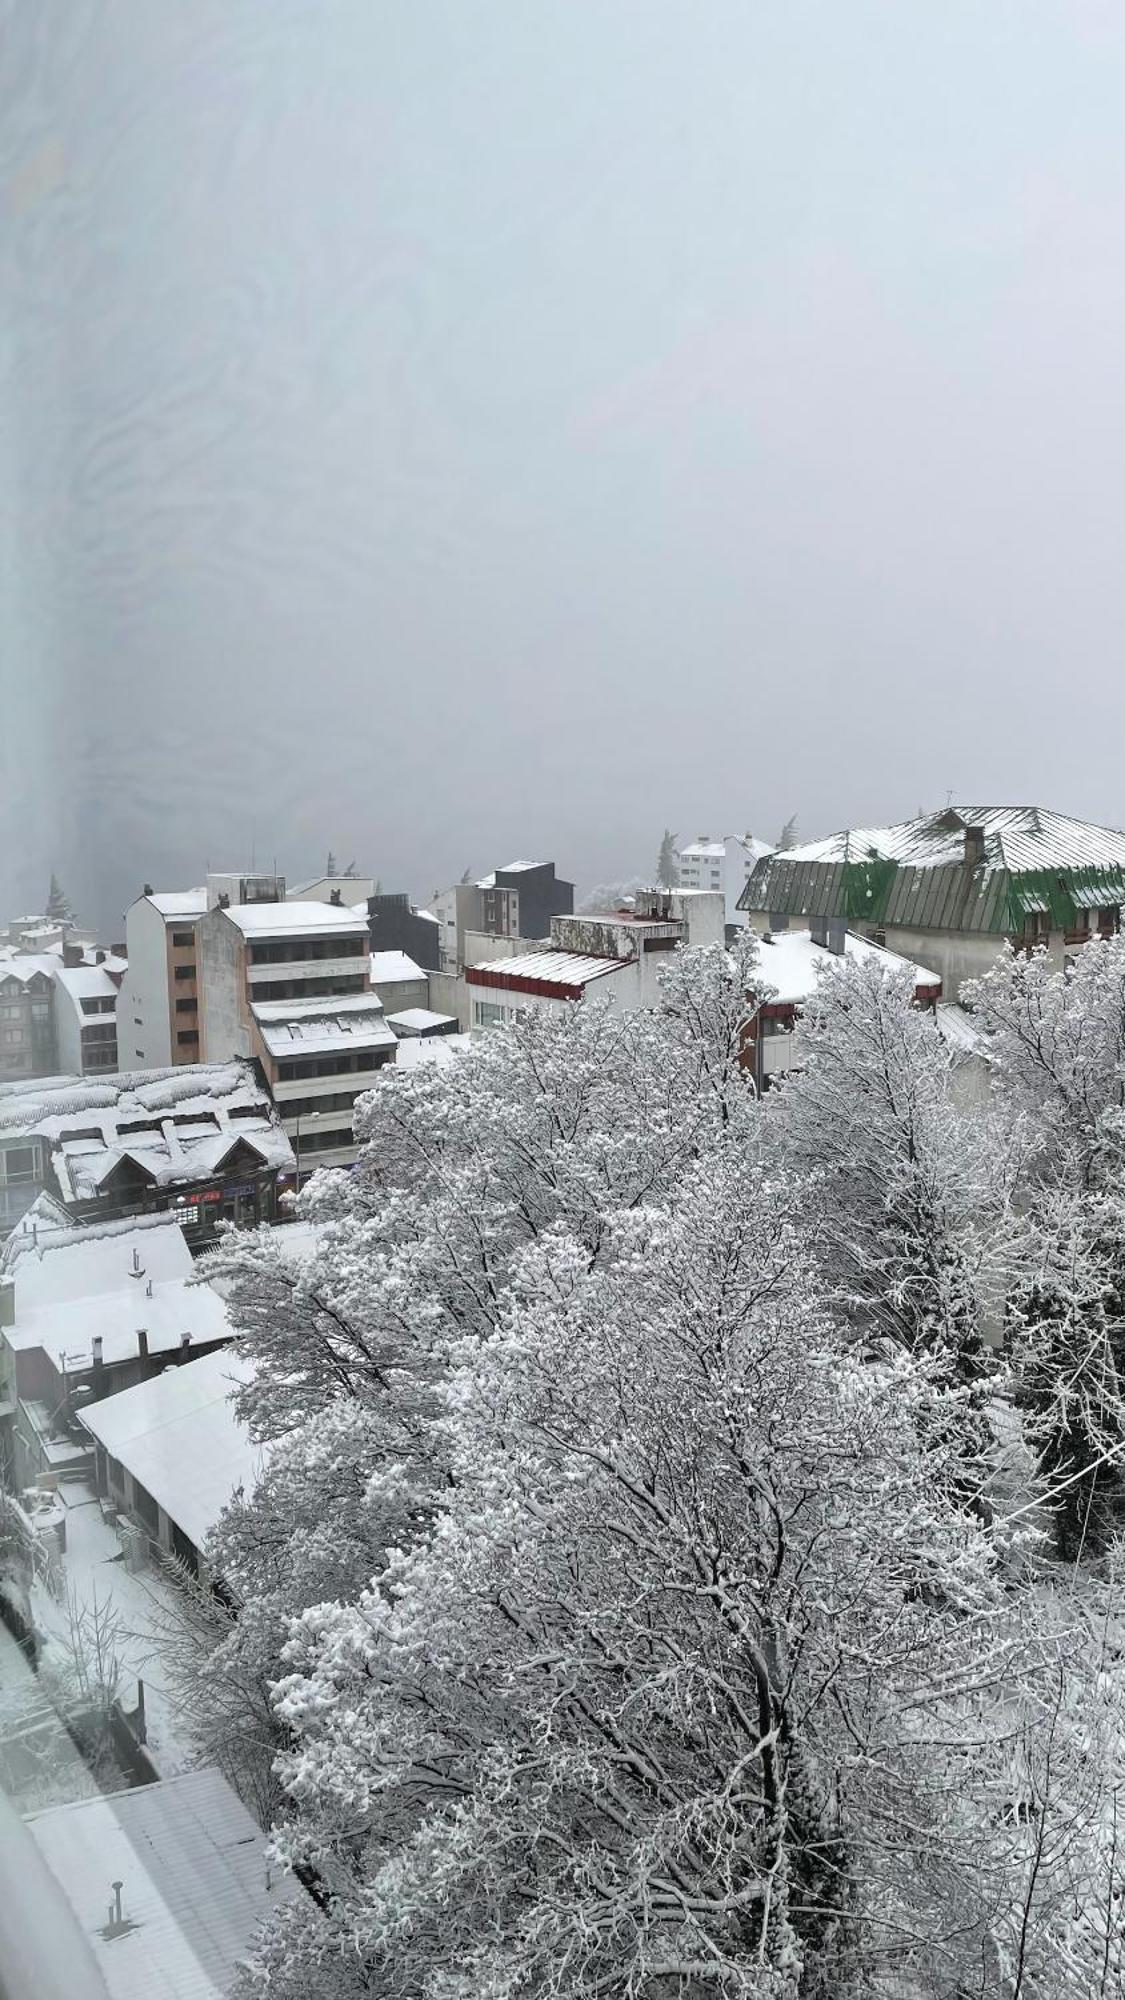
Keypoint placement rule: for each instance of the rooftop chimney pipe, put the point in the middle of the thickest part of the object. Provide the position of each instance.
(142, 1342)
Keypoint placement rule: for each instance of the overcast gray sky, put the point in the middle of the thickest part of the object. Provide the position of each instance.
(450, 431)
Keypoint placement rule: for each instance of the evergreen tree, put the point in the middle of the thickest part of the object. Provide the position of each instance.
(667, 873)
(330, 866)
(787, 838)
(58, 903)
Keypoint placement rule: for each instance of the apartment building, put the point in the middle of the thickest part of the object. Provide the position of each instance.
(953, 887)
(202, 1140)
(158, 999)
(518, 901)
(288, 985)
(86, 999)
(614, 957)
(158, 1013)
(725, 864)
(27, 1016)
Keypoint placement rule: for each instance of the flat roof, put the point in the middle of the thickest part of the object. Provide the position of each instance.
(394, 967)
(415, 1020)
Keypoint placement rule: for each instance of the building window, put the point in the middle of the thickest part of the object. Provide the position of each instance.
(183, 938)
(187, 1036)
(188, 1006)
(488, 1014)
(186, 971)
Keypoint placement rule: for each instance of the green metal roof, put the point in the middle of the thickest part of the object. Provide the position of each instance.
(918, 876)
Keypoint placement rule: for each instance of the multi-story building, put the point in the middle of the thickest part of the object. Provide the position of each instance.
(86, 1017)
(725, 864)
(953, 887)
(85, 1312)
(158, 1016)
(158, 1000)
(288, 985)
(616, 957)
(395, 925)
(27, 1016)
(202, 1140)
(519, 901)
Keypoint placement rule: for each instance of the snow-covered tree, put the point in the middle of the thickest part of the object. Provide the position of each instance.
(1056, 1041)
(902, 1189)
(58, 903)
(684, 1690)
(787, 838)
(330, 866)
(667, 873)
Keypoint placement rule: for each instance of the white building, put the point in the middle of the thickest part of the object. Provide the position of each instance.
(616, 957)
(289, 985)
(85, 1312)
(725, 864)
(86, 999)
(158, 999)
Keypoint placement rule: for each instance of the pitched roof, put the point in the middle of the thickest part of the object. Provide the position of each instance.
(195, 1884)
(554, 968)
(178, 1434)
(293, 919)
(174, 903)
(968, 868)
(177, 1124)
(791, 962)
(322, 1026)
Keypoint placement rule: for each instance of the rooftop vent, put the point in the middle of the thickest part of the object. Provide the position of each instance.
(974, 846)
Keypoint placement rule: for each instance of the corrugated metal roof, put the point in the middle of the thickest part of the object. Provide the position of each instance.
(919, 875)
(557, 968)
(1015, 837)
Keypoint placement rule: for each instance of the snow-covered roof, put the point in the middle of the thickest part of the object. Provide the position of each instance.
(292, 919)
(790, 962)
(74, 1284)
(556, 968)
(418, 1021)
(957, 1026)
(428, 914)
(195, 1884)
(322, 1026)
(703, 850)
(55, 1260)
(25, 965)
(86, 982)
(1015, 837)
(180, 902)
(178, 1125)
(178, 1434)
(394, 968)
(415, 1049)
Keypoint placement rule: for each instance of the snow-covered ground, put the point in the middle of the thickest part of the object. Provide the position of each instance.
(94, 1572)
